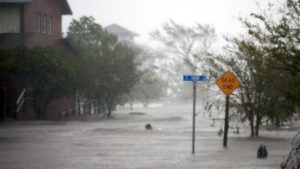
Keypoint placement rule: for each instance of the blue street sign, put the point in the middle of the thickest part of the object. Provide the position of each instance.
(194, 77)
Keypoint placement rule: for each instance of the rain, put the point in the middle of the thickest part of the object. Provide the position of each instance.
(142, 84)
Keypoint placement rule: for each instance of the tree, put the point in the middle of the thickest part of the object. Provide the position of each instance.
(267, 62)
(187, 48)
(50, 72)
(189, 44)
(293, 160)
(108, 67)
(152, 85)
(149, 88)
(8, 66)
(261, 95)
(8, 73)
(280, 37)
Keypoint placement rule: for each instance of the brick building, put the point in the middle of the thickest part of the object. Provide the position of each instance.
(28, 24)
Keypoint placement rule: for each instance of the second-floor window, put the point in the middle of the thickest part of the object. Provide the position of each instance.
(44, 24)
(38, 22)
(10, 19)
(49, 26)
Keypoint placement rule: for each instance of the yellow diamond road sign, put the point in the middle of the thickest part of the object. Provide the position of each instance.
(228, 83)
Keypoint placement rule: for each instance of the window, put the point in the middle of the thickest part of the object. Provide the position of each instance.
(44, 24)
(38, 22)
(10, 19)
(49, 26)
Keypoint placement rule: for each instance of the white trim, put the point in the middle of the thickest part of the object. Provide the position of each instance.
(38, 22)
(44, 24)
(49, 25)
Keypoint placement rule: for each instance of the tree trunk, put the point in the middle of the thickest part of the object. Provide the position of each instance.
(277, 121)
(38, 108)
(251, 121)
(99, 107)
(109, 108)
(109, 111)
(78, 107)
(41, 106)
(258, 119)
(252, 128)
(2, 105)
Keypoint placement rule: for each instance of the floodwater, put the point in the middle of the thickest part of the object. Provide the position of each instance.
(123, 143)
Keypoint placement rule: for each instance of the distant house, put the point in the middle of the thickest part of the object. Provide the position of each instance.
(122, 33)
(28, 24)
(147, 55)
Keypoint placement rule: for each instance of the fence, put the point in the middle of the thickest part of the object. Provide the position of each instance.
(84, 108)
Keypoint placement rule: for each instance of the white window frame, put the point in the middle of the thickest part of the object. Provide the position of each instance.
(49, 26)
(38, 22)
(44, 24)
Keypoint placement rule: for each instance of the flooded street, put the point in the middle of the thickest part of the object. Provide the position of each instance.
(123, 143)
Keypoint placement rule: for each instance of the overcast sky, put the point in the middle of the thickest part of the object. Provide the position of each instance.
(144, 16)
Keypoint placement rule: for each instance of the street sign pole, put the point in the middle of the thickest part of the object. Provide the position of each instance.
(227, 83)
(194, 78)
(194, 115)
(226, 125)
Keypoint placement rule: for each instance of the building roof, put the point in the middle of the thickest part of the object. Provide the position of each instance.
(63, 5)
(15, 1)
(119, 30)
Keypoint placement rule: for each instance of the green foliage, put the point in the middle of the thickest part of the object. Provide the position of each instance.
(149, 88)
(107, 67)
(8, 64)
(50, 68)
(50, 72)
(262, 90)
(267, 64)
(279, 38)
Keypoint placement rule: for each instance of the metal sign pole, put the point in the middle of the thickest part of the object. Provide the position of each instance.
(194, 115)
(194, 78)
(226, 122)
(227, 83)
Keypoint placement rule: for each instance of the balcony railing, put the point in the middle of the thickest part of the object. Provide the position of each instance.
(20, 101)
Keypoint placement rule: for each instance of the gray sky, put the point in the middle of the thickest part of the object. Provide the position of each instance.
(143, 16)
